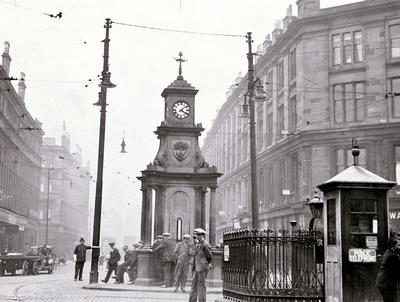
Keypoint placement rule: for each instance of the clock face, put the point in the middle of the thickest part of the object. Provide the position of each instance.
(181, 109)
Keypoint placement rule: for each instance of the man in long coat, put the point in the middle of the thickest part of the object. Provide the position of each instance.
(112, 262)
(182, 250)
(167, 248)
(159, 266)
(125, 266)
(133, 267)
(80, 258)
(201, 266)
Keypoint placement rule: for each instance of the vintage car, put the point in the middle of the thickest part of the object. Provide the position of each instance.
(36, 260)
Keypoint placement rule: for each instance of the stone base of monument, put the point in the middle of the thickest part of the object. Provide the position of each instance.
(150, 270)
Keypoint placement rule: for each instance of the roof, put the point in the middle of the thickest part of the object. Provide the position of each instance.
(179, 85)
(356, 175)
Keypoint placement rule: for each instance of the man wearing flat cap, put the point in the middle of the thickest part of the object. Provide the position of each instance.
(132, 271)
(201, 266)
(125, 266)
(168, 258)
(159, 265)
(112, 262)
(182, 250)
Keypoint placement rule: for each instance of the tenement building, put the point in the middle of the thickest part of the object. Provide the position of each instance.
(65, 184)
(20, 164)
(331, 75)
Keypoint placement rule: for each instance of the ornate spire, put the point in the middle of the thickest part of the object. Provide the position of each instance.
(180, 60)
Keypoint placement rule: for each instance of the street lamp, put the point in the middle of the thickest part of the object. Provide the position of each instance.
(104, 85)
(316, 205)
(259, 96)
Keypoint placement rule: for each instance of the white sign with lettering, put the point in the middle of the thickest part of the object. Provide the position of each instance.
(362, 255)
(371, 242)
(226, 253)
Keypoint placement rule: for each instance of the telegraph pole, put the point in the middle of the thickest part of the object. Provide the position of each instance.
(105, 83)
(47, 206)
(253, 155)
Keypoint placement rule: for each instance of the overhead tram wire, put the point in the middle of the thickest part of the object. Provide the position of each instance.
(179, 31)
(318, 121)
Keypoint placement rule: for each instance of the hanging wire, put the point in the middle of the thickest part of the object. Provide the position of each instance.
(179, 31)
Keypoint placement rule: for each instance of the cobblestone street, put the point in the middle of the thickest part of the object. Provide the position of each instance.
(60, 286)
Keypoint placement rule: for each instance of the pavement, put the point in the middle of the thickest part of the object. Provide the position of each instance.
(60, 287)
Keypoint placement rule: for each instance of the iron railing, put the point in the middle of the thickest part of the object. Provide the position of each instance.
(273, 266)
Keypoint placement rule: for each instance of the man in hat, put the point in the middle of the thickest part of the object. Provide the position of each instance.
(124, 267)
(182, 250)
(201, 266)
(159, 265)
(133, 267)
(167, 248)
(112, 262)
(80, 258)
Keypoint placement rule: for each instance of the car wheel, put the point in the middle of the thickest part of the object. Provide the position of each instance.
(35, 268)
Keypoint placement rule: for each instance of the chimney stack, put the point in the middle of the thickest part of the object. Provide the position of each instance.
(277, 31)
(6, 58)
(22, 87)
(288, 19)
(308, 8)
(267, 42)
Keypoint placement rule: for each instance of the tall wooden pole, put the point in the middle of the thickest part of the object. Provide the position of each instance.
(47, 207)
(105, 83)
(253, 155)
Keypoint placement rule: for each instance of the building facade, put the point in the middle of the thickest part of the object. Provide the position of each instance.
(65, 184)
(20, 164)
(331, 75)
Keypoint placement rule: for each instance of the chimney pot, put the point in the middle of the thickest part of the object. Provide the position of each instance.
(6, 58)
(22, 87)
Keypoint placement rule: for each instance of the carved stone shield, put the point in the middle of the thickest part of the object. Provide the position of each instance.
(180, 149)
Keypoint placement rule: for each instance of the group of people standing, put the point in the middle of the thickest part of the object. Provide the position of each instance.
(129, 265)
(175, 260)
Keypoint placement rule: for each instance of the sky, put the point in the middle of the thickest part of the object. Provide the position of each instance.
(62, 56)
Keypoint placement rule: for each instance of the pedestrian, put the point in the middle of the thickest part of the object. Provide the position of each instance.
(201, 266)
(133, 267)
(112, 262)
(389, 271)
(182, 250)
(122, 268)
(159, 264)
(167, 248)
(80, 258)
(101, 262)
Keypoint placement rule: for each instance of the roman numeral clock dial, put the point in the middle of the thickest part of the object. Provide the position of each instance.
(181, 109)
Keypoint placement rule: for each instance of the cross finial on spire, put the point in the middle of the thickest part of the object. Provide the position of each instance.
(180, 60)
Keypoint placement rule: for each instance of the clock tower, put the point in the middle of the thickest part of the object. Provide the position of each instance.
(175, 184)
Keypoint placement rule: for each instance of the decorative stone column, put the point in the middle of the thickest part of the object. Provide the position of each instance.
(149, 215)
(197, 207)
(159, 211)
(203, 208)
(212, 217)
(144, 215)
